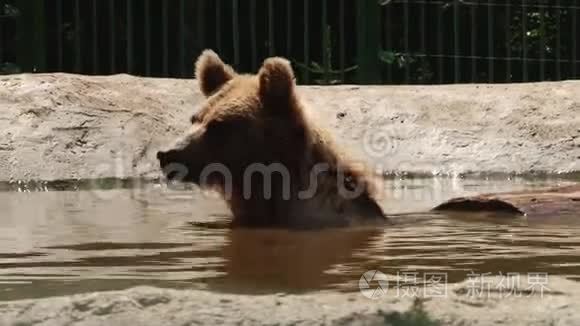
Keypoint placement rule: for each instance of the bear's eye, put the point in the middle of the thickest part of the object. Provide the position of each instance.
(350, 183)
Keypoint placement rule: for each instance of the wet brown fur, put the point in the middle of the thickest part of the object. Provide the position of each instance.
(263, 121)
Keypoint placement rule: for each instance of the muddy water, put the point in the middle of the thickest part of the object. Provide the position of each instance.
(108, 236)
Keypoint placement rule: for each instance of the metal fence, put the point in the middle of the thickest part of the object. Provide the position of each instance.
(329, 42)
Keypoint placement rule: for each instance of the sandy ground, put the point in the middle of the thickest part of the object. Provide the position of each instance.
(60, 126)
(554, 301)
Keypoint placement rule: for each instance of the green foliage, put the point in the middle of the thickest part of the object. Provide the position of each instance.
(10, 11)
(398, 58)
(543, 34)
(421, 69)
(329, 75)
(540, 34)
(8, 68)
(416, 316)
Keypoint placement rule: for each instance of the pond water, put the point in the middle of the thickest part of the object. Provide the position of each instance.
(66, 238)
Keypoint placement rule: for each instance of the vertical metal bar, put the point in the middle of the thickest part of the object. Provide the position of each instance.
(165, 31)
(326, 44)
(129, 36)
(148, 37)
(236, 31)
(474, 17)
(253, 34)
(423, 31)
(218, 25)
(525, 41)
(406, 28)
(59, 36)
(324, 20)
(181, 38)
(558, 41)
(574, 13)
(490, 41)
(95, 20)
(78, 49)
(271, 45)
(508, 36)
(342, 56)
(2, 32)
(200, 21)
(388, 40)
(440, 43)
(306, 39)
(289, 28)
(31, 45)
(368, 21)
(542, 43)
(457, 73)
(40, 57)
(112, 36)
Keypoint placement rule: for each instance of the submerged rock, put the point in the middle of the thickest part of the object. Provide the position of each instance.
(542, 203)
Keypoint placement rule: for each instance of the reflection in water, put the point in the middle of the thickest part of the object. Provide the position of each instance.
(261, 260)
(63, 242)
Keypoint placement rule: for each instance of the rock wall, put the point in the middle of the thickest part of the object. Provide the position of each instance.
(62, 126)
(554, 303)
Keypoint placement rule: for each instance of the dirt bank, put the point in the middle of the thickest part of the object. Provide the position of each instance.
(61, 126)
(552, 302)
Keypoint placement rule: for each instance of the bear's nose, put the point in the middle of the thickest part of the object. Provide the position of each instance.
(161, 155)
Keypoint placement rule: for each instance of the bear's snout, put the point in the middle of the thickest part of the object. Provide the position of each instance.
(173, 166)
(161, 156)
(167, 157)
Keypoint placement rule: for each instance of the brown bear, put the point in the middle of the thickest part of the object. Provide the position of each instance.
(252, 141)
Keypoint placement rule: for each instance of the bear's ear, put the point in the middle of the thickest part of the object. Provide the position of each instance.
(276, 79)
(211, 72)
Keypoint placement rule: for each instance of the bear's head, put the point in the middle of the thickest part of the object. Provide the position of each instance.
(251, 140)
(245, 120)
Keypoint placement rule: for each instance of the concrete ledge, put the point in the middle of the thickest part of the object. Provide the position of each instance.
(62, 126)
(554, 301)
